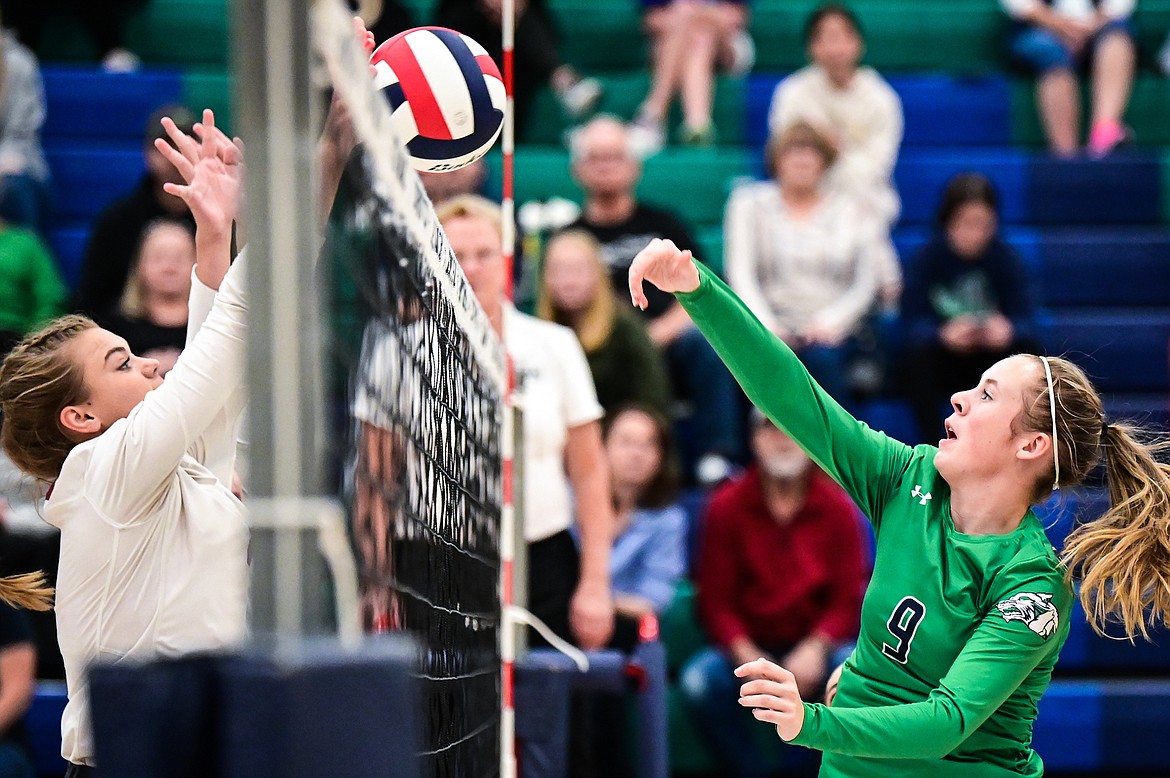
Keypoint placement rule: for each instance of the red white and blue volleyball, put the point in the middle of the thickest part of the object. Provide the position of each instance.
(446, 96)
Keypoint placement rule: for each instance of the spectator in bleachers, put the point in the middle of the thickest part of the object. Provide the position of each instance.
(18, 666)
(537, 58)
(969, 302)
(853, 105)
(607, 170)
(780, 575)
(690, 41)
(104, 21)
(118, 230)
(1057, 38)
(804, 258)
(152, 315)
(566, 477)
(24, 173)
(575, 292)
(649, 554)
(31, 289)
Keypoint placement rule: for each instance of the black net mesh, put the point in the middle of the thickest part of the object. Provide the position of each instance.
(420, 399)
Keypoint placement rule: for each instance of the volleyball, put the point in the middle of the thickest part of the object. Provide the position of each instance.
(446, 96)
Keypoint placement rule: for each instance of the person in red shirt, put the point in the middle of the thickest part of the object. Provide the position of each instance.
(781, 576)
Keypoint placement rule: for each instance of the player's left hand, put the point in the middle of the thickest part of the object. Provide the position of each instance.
(591, 615)
(773, 695)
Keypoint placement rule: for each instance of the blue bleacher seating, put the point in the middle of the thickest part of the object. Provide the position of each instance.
(1106, 266)
(940, 109)
(1122, 350)
(87, 104)
(1105, 728)
(43, 722)
(68, 245)
(86, 180)
(922, 173)
(1122, 189)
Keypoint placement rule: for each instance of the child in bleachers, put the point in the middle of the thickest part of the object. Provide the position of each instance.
(853, 105)
(969, 302)
(805, 259)
(575, 292)
(690, 41)
(152, 316)
(1058, 38)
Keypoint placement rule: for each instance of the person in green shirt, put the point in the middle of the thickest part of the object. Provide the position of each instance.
(969, 604)
(31, 289)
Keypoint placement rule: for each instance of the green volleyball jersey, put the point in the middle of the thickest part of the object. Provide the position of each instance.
(959, 633)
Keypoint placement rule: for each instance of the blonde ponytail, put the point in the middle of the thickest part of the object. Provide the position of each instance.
(28, 591)
(1123, 558)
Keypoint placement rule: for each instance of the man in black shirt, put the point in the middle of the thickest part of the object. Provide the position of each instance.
(118, 230)
(606, 168)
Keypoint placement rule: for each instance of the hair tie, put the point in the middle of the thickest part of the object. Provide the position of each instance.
(1052, 411)
(1104, 429)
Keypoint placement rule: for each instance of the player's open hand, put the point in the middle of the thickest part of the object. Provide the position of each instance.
(772, 694)
(666, 266)
(213, 169)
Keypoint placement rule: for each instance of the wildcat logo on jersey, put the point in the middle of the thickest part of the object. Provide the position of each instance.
(1034, 609)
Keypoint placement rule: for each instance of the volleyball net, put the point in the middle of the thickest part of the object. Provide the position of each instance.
(416, 389)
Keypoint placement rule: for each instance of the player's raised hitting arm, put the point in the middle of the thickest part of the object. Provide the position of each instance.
(863, 461)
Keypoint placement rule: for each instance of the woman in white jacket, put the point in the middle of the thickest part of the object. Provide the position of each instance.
(153, 543)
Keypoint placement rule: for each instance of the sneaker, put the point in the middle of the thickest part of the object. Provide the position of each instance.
(697, 136)
(647, 137)
(121, 61)
(581, 98)
(743, 54)
(1105, 138)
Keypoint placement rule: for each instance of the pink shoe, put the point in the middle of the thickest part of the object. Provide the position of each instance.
(1105, 137)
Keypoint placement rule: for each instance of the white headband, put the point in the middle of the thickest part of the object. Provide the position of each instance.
(1052, 409)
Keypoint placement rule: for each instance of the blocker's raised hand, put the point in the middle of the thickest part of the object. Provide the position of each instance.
(773, 695)
(666, 266)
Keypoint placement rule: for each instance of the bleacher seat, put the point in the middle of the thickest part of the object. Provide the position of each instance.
(85, 180)
(1122, 189)
(940, 109)
(1121, 351)
(921, 175)
(43, 723)
(68, 246)
(86, 104)
(1105, 266)
(1104, 727)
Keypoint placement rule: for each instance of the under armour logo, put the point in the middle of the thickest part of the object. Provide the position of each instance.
(922, 498)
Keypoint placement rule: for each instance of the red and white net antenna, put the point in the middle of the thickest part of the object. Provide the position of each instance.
(507, 513)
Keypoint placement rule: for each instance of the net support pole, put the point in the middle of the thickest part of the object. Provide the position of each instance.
(277, 116)
(509, 531)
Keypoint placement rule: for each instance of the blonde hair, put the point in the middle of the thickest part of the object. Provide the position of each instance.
(1122, 558)
(469, 206)
(133, 302)
(37, 381)
(595, 325)
(27, 590)
(799, 133)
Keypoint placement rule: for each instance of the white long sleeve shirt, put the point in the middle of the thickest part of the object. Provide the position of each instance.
(864, 118)
(153, 543)
(794, 273)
